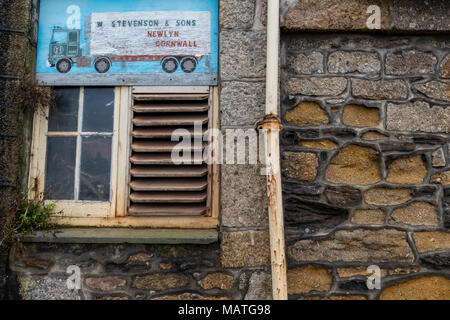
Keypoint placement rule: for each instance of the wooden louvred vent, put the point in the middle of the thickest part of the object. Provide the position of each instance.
(158, 187)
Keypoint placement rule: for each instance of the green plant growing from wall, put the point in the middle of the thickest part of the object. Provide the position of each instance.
(28, 94)
(31, 215)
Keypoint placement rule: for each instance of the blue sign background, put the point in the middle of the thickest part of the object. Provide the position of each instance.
(53, 13)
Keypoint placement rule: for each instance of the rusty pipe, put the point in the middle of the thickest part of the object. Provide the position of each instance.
(271, 128)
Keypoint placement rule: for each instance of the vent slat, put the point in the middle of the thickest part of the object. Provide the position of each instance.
(156, 158)
(164, 197)
(162, 146)
(164, 132)
(172, 96)
(169, 171)
(140, 184)
(167, 210)
(147, 159)
(170, 120)
(159, 108)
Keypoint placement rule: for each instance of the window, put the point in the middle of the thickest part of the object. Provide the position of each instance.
(79, 145)
(103, 154)
(59, 37)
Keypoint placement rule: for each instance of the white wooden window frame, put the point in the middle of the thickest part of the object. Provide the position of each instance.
(114, 213)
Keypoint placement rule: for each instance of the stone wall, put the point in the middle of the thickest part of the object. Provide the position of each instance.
(122, 272)
(352, 15)
(238, 267)
(365, 159)
(17, 55)
(244, 223)
(366, 164)
(39, 271)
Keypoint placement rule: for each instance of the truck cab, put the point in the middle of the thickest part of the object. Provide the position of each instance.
(64, 47)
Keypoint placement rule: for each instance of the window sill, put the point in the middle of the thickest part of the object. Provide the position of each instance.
(125, 235)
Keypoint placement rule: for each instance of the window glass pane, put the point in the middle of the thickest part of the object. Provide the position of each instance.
(59, 37)
(60, 168)
(95, 169)
(73, 36)
(98, 110)
(63, 116)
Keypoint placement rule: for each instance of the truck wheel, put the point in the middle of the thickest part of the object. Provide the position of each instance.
(169, 64)
(64, 65)
(102, 65)
(188, 64)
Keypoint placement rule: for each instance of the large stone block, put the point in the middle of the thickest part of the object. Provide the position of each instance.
(160, 281)
(245, 249)
(424, 288)
(441, 178)
(300, 165)
(379, 89)
(418, 15)
(242, 54)
(438, 90)
(368, 216)
(407, 170)
(410, 62)
(316, 86)
(387, 196)
(307, 113)
(352, 15)
(236, 14)
(360, 116)
(346, 15)
(242, 103)
(417, 116)
(46, 288)
(431, 240)
(383, 245)
(243, 196)
(354, 62)
(417, 214)
(217, 280)
(354, 165)
(306, 63)
(308, 278)
(106, 283)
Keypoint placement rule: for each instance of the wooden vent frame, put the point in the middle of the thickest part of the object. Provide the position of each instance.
(119, 215)
(157, 186)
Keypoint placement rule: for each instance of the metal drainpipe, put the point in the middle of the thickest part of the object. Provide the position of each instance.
(271, 126)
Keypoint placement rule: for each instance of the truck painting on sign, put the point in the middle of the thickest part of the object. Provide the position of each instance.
(131, 46)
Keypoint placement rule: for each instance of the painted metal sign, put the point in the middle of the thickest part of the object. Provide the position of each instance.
(118, 42)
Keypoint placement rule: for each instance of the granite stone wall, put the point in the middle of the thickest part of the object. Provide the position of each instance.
(124, 272)
(366, 165)
(236, 268)
(242, 54)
